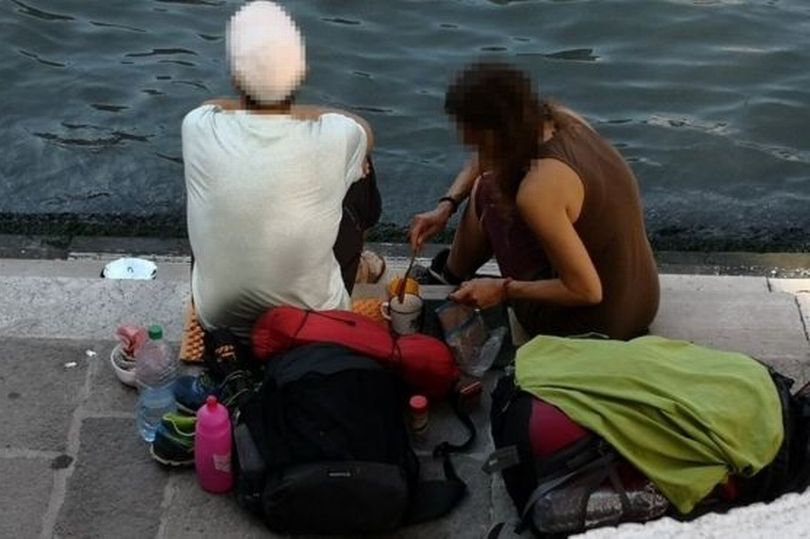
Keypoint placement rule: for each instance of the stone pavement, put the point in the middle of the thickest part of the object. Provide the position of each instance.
(72, 465)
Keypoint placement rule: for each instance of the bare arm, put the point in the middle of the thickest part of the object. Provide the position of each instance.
(462, 186)
(549, 200)
(427, 224)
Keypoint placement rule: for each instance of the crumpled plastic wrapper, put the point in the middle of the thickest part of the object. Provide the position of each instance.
(130, 268)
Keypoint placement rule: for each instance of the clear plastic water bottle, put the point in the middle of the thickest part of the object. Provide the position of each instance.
(155, 373)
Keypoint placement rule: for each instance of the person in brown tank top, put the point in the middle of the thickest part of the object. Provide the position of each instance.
(554, 202)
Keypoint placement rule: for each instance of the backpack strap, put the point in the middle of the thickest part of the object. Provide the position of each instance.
(495, 530)
(445, 448)
(501, 459)
(435, 498)
(594, 482)
(618, 486)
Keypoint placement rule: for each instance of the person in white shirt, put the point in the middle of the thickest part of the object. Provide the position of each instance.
(278, 195)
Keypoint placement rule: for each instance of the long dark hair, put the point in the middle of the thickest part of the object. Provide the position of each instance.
(498, 97)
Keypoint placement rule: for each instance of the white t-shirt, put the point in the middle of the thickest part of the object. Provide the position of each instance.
(264, 202)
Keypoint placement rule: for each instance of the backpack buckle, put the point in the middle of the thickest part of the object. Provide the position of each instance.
(501, 459)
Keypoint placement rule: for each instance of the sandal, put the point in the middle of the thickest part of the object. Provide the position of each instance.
(370, 269)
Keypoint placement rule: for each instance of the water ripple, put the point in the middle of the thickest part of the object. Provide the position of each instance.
(341, 20)
(778, 152)
(179, 62)
(713, 128)
(80, 126)
(191, 2)
(40, 59)
(117, 26)
(196, 84)
(160, 52)
(577, 55)
(108, 108)
(115, 138)
(40, 14)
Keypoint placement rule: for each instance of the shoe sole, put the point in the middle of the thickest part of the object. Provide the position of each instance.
(173, 463)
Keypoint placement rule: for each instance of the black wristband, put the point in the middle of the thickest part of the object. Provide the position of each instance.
(453, 202)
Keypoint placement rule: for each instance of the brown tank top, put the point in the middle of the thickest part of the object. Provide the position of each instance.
(610, 225)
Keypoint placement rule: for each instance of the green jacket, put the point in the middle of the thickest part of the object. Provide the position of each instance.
(686, 416)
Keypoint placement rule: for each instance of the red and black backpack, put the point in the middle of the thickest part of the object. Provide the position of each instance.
(322, 447)
(554, 469)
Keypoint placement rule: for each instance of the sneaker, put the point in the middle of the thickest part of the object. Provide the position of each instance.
(191, 392)
(222, 356)
(437, 273)
(174, 440)
(226, 376)
(370, 269)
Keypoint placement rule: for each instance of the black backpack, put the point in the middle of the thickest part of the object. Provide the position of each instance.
(322, 447)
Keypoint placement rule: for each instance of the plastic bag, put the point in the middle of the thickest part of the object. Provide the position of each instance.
(465, 332)
(576, 507)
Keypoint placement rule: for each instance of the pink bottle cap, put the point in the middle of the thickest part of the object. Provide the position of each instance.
(211, 402)
(418, 403)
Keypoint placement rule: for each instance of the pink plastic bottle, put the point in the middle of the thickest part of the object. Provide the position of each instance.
(212, 447)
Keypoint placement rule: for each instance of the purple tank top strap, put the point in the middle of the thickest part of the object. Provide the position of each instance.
(516, 248)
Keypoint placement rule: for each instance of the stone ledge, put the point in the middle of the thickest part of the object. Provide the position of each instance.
(38, 307)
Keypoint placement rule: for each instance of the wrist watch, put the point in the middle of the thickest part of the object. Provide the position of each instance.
(453, 202)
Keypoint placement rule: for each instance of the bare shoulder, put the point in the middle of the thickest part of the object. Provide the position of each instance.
(549, 177)
(551, 184)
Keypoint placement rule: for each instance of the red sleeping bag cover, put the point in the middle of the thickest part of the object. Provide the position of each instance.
(425, 363)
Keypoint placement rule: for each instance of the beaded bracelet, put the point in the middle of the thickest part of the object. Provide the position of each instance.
(505, 289)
